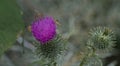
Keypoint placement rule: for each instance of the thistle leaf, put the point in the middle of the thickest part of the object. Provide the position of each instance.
(10, 24)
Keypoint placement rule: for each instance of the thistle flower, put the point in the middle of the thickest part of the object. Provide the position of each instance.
(44, 29)
(101, 38)
(50, 44)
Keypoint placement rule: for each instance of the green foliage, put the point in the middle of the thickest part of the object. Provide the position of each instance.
(10, 23)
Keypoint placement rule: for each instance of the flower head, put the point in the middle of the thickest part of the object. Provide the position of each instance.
(44, 29)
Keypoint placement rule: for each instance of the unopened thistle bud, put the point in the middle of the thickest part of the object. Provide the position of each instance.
(101, 38)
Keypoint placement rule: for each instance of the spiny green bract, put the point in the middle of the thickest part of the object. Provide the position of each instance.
(102, 38)
(52, 49)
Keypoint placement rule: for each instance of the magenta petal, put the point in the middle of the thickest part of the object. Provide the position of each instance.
(44, 29)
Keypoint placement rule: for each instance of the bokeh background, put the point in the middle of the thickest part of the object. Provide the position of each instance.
(76, 18)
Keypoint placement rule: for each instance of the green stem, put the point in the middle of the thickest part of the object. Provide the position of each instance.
(84, 59)
(99, 59)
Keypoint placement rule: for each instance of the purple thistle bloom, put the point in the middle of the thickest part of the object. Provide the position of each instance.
(44, 29)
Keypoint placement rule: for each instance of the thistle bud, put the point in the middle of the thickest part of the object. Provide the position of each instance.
(101, 38)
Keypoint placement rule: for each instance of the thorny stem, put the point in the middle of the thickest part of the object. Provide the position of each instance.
(101, 64)
(91, 54)
(85, 58)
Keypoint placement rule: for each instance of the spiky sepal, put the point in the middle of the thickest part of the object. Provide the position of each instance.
(52, 49)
